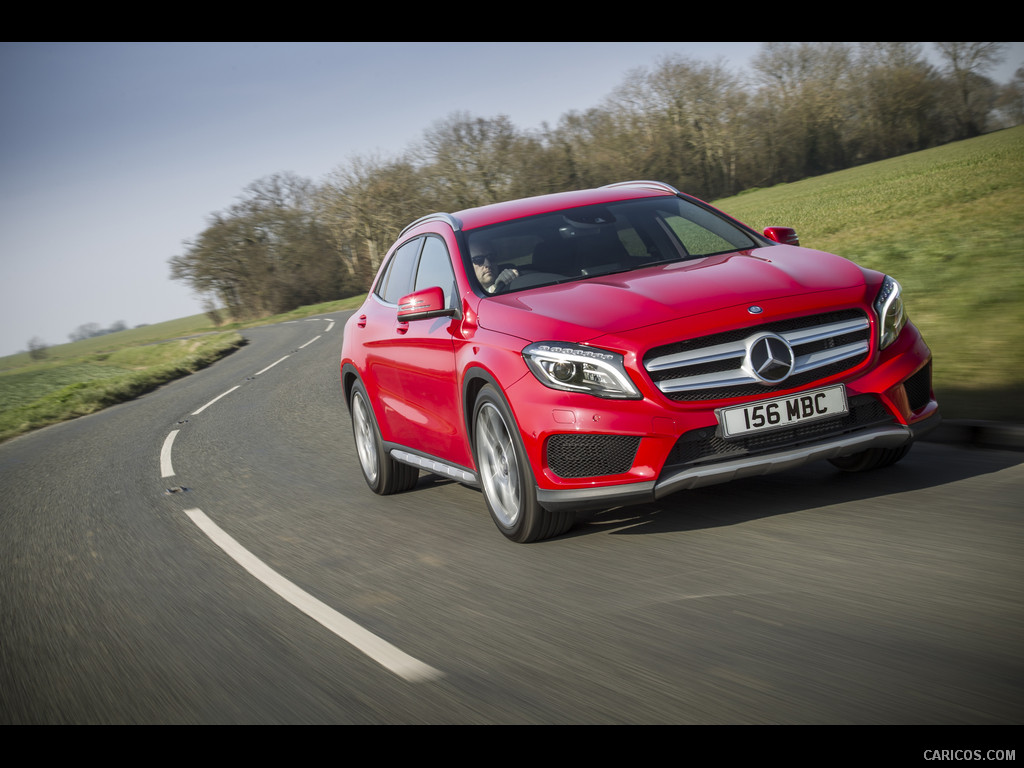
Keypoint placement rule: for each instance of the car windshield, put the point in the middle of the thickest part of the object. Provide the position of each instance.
(599, 240)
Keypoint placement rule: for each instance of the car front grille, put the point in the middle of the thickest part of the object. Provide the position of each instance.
(703, 446)
(712, 367)
(571, 456)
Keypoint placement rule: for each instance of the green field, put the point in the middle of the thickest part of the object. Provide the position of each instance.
(948, 223)
(85, 376)
(71, 383)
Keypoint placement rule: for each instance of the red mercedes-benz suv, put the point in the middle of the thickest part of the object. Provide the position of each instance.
(614, 345)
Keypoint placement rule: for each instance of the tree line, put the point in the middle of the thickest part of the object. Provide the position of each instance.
(804, 109)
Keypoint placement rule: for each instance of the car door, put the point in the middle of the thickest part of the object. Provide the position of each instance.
(413, 363)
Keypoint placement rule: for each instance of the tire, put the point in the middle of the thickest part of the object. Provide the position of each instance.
(383, 474)
(505, 475)
(873, 458)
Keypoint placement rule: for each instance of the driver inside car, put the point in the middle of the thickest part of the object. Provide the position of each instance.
(482, 257)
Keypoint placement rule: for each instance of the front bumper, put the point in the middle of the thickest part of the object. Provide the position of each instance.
(698, 476)
(891, 405)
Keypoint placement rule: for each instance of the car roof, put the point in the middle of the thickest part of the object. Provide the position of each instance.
(495, 213)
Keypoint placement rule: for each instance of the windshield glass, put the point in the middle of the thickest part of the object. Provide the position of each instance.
(599, 240)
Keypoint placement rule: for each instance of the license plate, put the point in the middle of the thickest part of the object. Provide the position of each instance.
(782, 412)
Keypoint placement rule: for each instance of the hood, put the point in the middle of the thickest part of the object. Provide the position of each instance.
(615, 304)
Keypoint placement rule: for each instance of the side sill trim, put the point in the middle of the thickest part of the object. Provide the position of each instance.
(433, 465)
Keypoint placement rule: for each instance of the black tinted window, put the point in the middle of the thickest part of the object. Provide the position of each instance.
(396, 281)
(435, 269)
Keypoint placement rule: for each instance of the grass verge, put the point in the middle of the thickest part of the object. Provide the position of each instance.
(50, 391)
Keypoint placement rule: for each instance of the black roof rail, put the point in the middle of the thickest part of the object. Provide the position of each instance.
(658, 185)
(450, 220)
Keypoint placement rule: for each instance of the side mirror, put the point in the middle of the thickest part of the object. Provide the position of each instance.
(784, 235)
(424, 304)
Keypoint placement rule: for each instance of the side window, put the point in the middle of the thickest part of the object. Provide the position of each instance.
(436, 269)
(396, 282)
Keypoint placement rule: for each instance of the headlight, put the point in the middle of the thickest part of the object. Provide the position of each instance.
(576, 368)
(892, 315)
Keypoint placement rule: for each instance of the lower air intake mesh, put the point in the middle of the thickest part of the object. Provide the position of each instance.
(572, 456)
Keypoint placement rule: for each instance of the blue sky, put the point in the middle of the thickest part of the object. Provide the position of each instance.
(114, 154)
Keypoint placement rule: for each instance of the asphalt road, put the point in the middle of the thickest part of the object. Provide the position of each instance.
(209, 553)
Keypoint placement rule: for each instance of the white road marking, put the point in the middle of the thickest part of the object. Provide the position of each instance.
(272, 365)
(382, 652)
(166, 469)
(329, 321)
(218, 397)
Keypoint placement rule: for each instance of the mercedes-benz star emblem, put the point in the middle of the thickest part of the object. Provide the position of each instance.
(770, 358)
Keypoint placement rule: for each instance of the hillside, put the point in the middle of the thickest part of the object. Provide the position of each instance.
(948, 223)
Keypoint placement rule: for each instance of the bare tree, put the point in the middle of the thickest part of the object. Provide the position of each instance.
(1010, 104)
(85, 331)
(37, 348)
(598, 146)
(469, 161)
(695, 110)
(966, 65)
(806, 105)
(897, 100)
(364, 204)
(268, 253)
